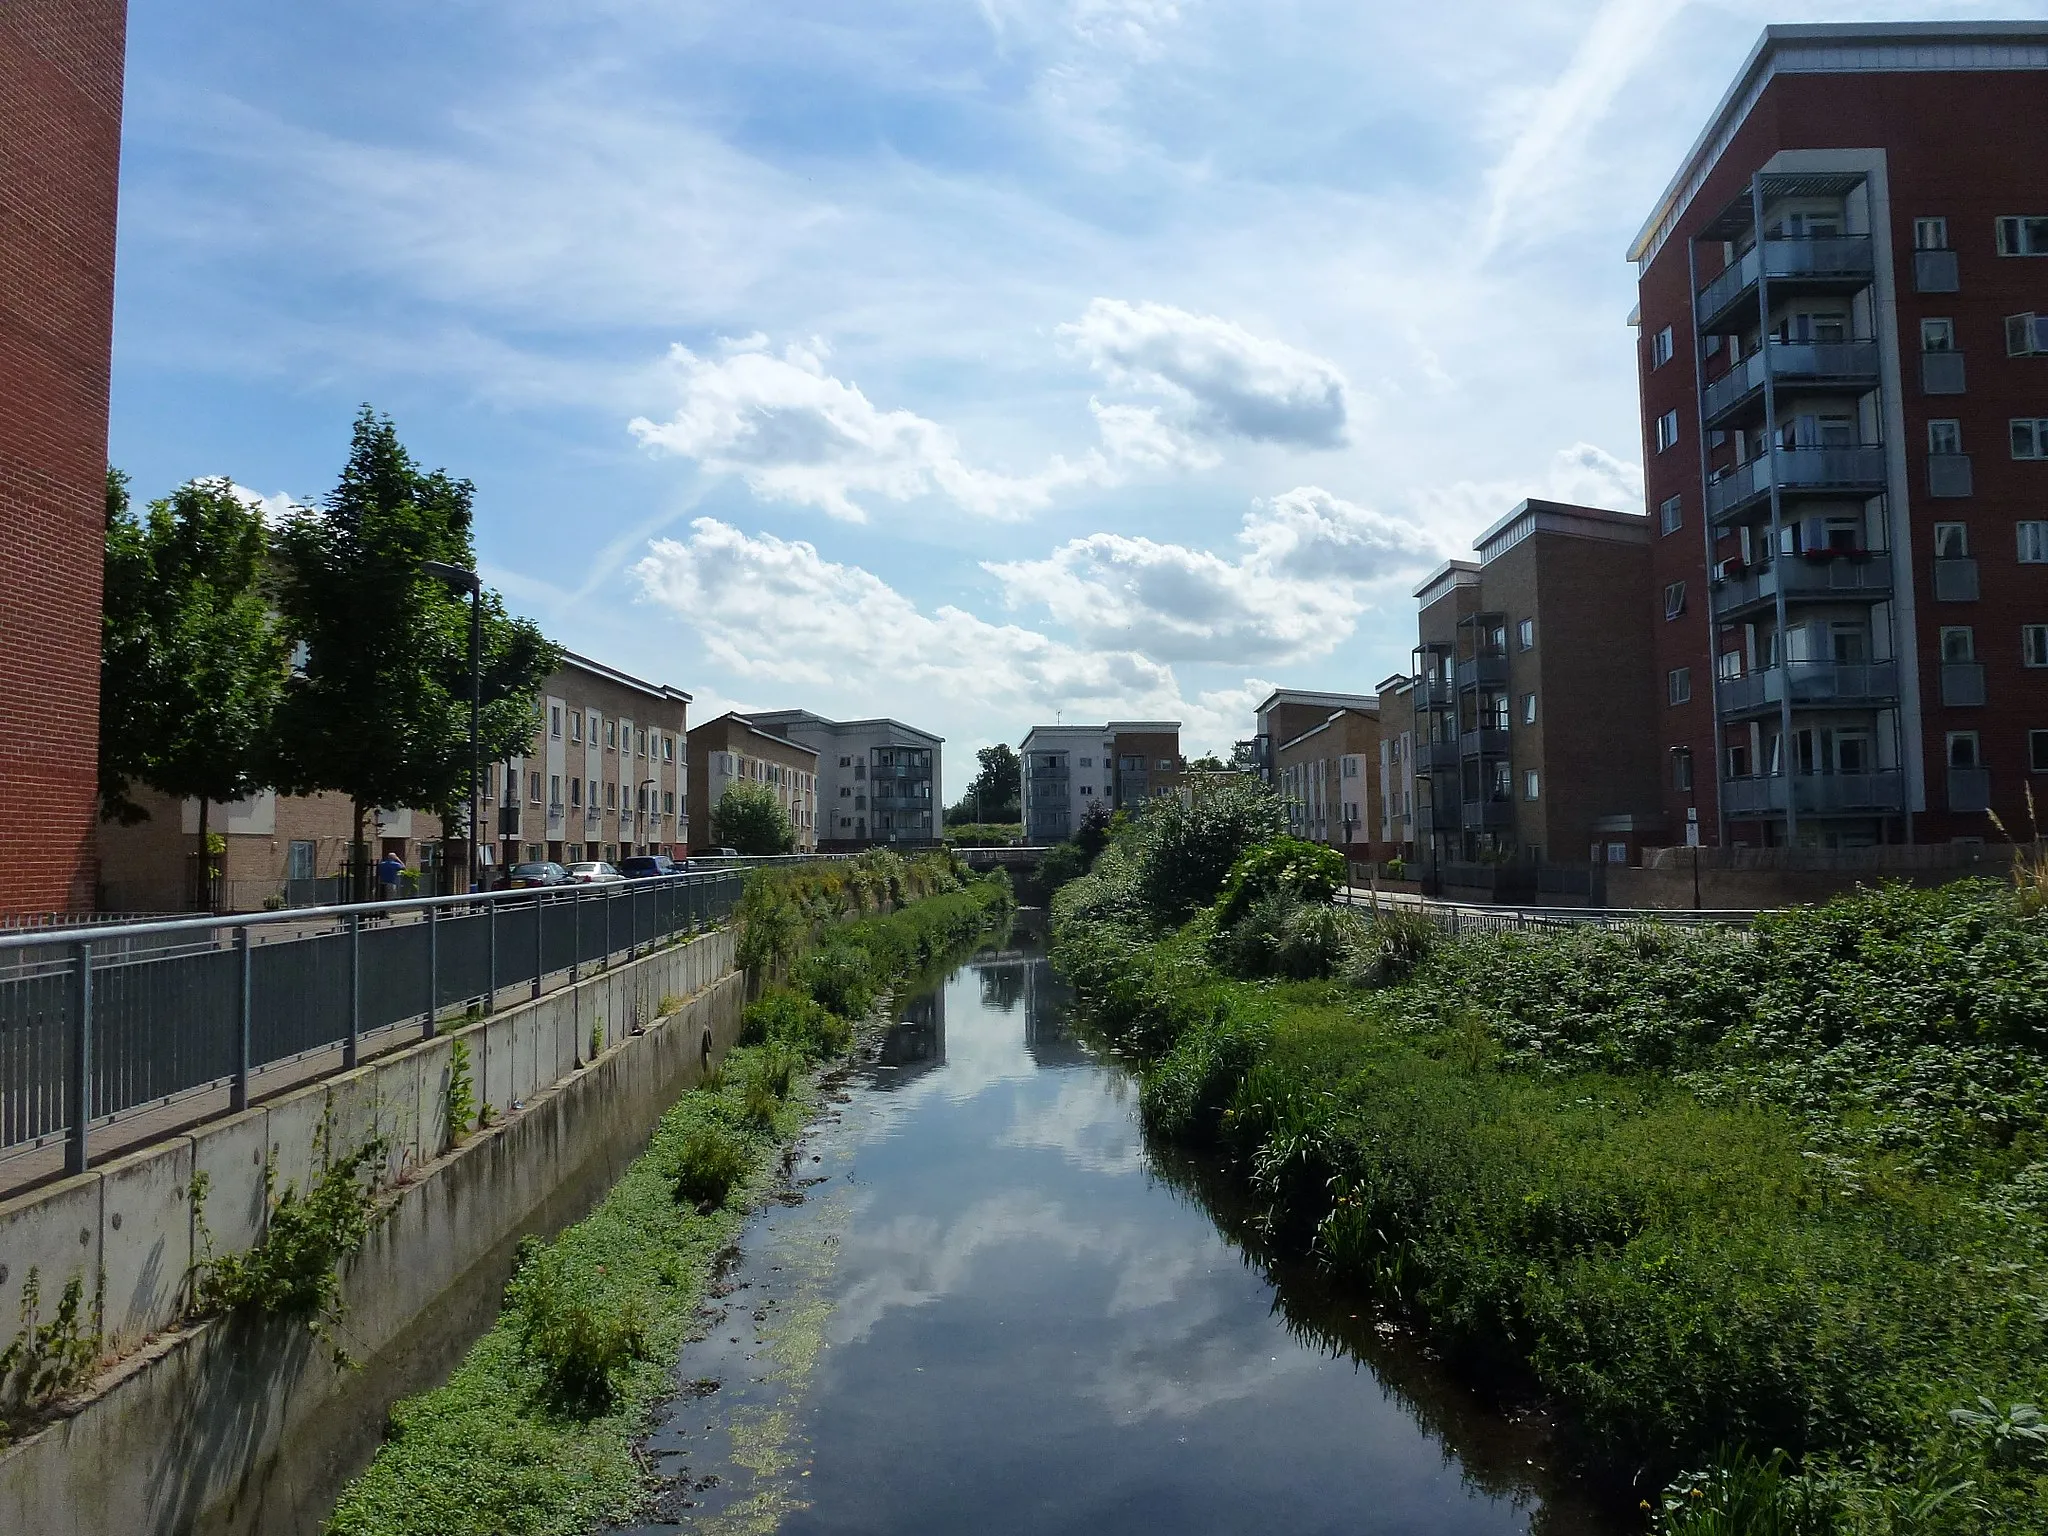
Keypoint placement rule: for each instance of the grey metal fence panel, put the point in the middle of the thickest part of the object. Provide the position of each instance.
(299, 996)
(463, 946)
(35, 1048)
(394, 978)
(558, 932)
(515, 943)
(162, 1027)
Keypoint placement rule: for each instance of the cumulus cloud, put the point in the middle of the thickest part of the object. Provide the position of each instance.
(795, 433)
(1223, 380)
(276, 509)
(1308, 566)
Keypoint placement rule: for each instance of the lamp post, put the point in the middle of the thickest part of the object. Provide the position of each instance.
(1692, 824)
(464, 580)
(642, 811)
(1347, 842)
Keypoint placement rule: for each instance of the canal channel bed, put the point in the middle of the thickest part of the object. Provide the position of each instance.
(978, 1301)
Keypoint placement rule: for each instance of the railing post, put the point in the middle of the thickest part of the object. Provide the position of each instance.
(81, 1062)
(575, 935)
(350, 1051)
(540, 957)
(238, 1096)
(433, 971)
(491, 956)
(610, 896)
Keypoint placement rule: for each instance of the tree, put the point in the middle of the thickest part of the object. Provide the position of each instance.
(380, 710)
(1000, 784)
(194, 657)
(1092, 836)
(1244, 754)
(750, 819)
(1208, 762)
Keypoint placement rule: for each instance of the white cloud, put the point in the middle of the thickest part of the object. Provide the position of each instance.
(795, 433)
(1224, 380)
(276, 509)
(1309, 565)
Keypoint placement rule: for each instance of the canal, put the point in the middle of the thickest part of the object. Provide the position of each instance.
(981, 1302)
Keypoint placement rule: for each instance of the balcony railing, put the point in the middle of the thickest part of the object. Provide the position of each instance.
(1853, 469)
(1969, 789)
(1490, 671)
(1948, 474)
(1432, 757)
(1434, 693)
(1489, 741)
(1487, 815)
(1955, 580)
(1962, 684)
(1848, 363)
(1826, 259)
(1941, 373)
(1812, 684)
(1864, 573)
(1816, 794)
(1935, 272)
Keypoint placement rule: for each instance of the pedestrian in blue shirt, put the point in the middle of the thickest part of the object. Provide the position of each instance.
(388, 871)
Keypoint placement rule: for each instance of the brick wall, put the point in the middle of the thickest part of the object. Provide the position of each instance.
(60, 137)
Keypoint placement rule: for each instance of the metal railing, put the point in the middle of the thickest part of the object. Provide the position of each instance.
(1814, 684)
(1844, 467)
(1790, 362)
(1457, 918)
(98, 1023)
(1832, 258)
(1857, 573)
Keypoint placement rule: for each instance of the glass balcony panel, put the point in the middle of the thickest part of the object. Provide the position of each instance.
(1935, 272)
(1962, 684)
(1948, 474)
(1812, 684)
(1483, 743)
(1941, 373)
(1955, 581)
(1488, 815)
(1483, 672)
(1855, 469)
(1816, 794)
(1969, 789)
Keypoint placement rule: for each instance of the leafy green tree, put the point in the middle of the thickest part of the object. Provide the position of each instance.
(380, 709)
(750, 819)
(194, 657)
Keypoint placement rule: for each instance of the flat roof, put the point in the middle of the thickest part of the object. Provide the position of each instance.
(624, 679)
(1318, 728)
(1279, 696)
(746, 723)
(811, 717)
(1452, 573)
(1829, 47)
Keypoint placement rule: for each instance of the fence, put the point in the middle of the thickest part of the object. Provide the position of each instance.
(102, 1022)
(1461, 917)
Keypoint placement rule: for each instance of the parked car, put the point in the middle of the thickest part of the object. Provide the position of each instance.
(535, 875)
(648, 866)
(594, 872)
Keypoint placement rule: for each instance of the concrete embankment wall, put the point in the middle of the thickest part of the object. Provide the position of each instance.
(240, 1426)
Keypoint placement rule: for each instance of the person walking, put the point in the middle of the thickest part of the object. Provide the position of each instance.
(388, 871)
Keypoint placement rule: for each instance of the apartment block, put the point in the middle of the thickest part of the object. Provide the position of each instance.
(1529, 705)
(1325, 778)
(607, 776)
(1069, 769)
(733, 750)
(1843, 315)
(60, 157)
(1394, 781)
(1285, 713)
(877, 779)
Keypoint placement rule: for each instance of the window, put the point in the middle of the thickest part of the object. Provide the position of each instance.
(2030, 438)
(1530, 783)
(668, 802)
(611, 733)
(2033, 543)
(533, 788)
(846, 762)
(2034, 645)
(1945, 436)
(1678, 685)
(640, 749)
(1958, 643)
(576, 793)
(1525, 634)
(2037, 751)
(1937, 335)
(576, 727)
(1660, 354)
(593, 794)
(2023, 235)
(611, 797)
(1674, 600)
(555, 790)
(1681, 769)
(1728, 666)
(1963, 749)
(2026, 335)
(1087, 762)
(1738, 761)
(1667, 431)
(1951, 541)
(1930, 234)
(1087, 789)
(1528, 709)
(1671, 514)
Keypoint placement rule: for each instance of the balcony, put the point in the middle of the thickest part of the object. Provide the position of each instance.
(1431, 693)
(1948, 474)
(1791, 365)
(1434, 757)
(1488, 741)
(1815, 794)
(1941, 373)
(1962, 684)
(1440, 815)
(1825, 263)
(1935, 272)
(1858, 574)
(1490, 671)
(1955, 580)
(1855, 469)
(1813, 685)
(1969, 789)
(1487, 815)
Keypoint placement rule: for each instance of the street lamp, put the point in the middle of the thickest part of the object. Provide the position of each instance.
(1692, 825)
(462, 579)
(655, 801)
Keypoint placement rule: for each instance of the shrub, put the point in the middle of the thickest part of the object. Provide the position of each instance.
(841, 976)
(1389, 947)
(1311, 872)
(784, 1015)
(710, 1163)
(579, 1347)
(1313, 941)
(47, 1361)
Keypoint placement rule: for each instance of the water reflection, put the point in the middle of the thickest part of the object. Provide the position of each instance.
(1074, 1333)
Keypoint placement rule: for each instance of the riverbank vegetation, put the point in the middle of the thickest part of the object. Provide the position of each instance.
(534, 1431)
(1763, 1210)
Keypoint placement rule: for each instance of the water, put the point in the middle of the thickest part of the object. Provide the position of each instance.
(982, 1304)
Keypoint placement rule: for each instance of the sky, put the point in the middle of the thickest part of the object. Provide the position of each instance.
(983, 363)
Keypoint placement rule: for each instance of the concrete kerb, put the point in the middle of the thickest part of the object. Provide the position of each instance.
(276, 1399)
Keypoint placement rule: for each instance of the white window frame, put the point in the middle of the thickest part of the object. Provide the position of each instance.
(1661, 348)
(2029, 437)
(2034, 645)
(1678, 686)
(1532, 784)
(1670, 515)
(1951, 541)
(1944, 435)
(1667, 431)
(1930, 234)
(1525, 635)
(1937, 334)
(2037, 751)
(2032, 538)
(2021, 234)
(1955, 739)
(1964, 640)
(1528, 709)
(1674, 600)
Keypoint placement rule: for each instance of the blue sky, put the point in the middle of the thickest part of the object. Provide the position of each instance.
(971, 361)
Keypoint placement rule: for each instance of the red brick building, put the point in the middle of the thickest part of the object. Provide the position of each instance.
(60, 144)
(1844, 354)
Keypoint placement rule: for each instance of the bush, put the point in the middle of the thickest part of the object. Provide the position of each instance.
(710, 1164)
(1389, 947)
(1310, 872)
(579, 1346)
(841, 976)
(787, 1016)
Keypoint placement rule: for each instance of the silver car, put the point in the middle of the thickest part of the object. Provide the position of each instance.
(594, 872)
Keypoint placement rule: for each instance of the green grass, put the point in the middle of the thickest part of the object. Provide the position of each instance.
(1766, 1206)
